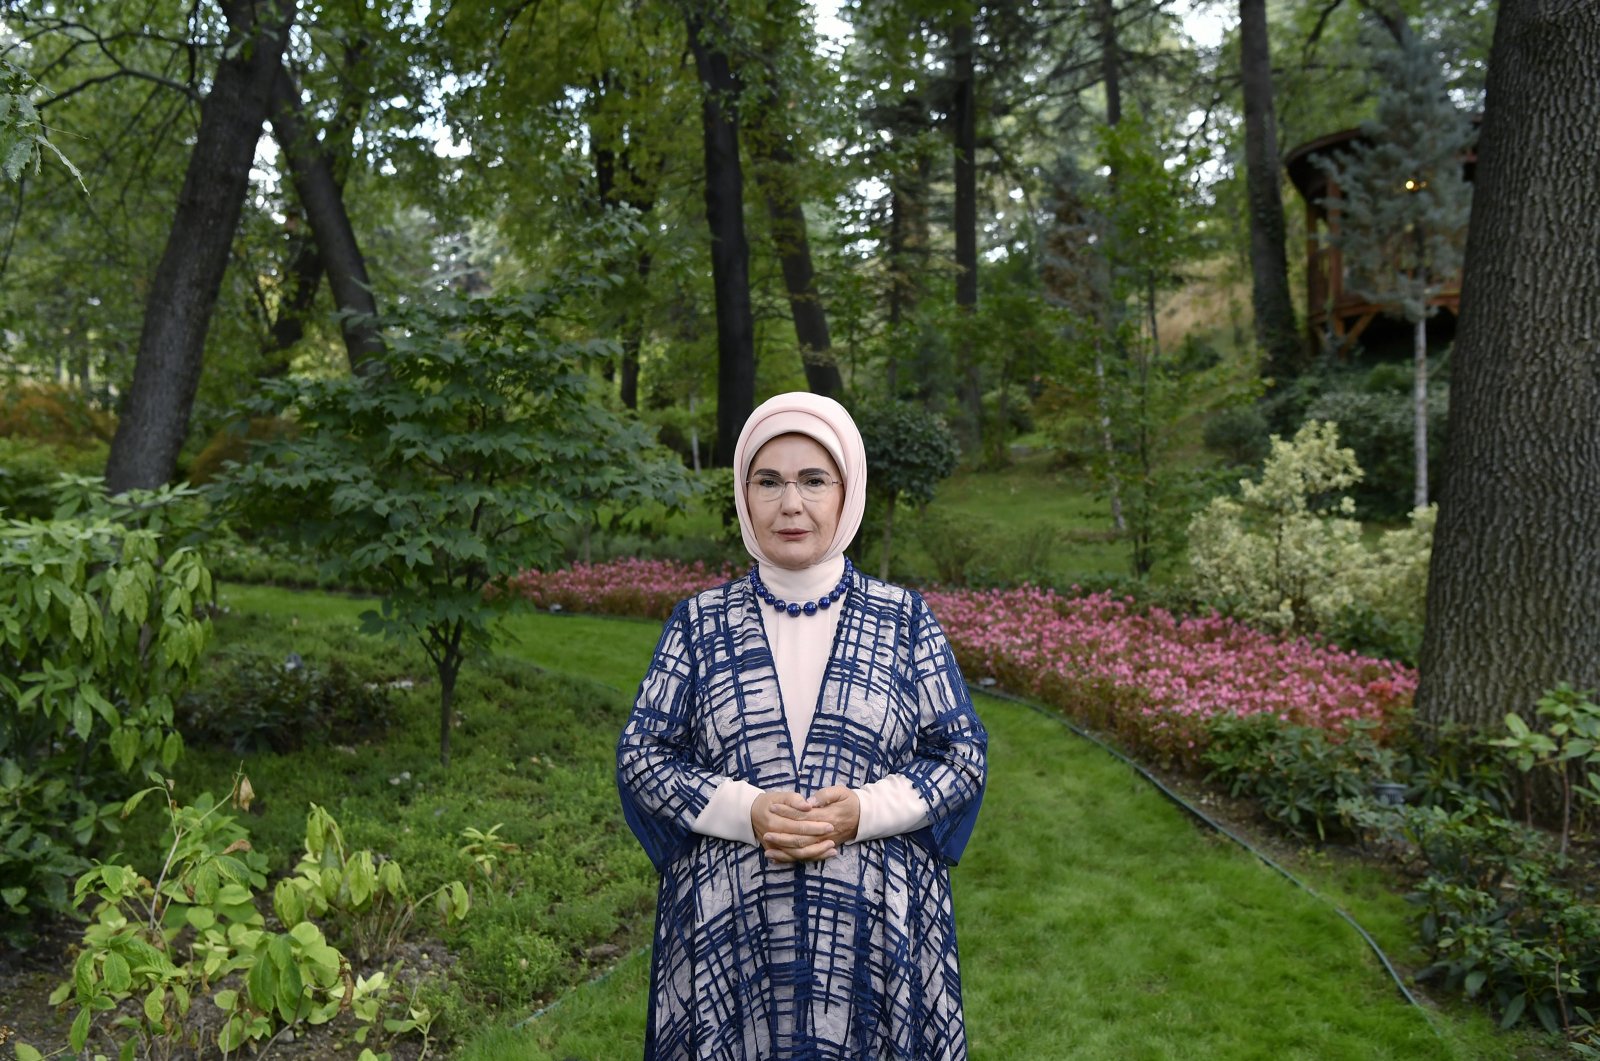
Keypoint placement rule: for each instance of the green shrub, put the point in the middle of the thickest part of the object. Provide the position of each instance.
(101, 626)
(1286, 555)
(256, 702)
(1506, 918)
(1238, 435)
(1299, 775)
(30, 470)
(1379, 426)
(206, 893)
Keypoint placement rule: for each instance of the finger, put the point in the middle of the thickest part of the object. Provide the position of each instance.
(789, 811)
(819, 831)
(811, 853)
(830, 795)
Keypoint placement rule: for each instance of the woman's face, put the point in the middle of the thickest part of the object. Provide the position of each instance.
(792, 531)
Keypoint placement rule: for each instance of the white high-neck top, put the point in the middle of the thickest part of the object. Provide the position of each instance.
(801, 645)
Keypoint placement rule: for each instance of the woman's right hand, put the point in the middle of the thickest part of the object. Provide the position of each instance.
(784, 831)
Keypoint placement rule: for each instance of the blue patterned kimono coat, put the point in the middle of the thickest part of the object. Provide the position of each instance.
(850, 958)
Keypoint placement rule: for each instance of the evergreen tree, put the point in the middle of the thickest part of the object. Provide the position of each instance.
(1399, 211)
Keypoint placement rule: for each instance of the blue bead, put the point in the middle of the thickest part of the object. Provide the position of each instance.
(794, 609)
(810, 608)
(823, 602)
(780, 605)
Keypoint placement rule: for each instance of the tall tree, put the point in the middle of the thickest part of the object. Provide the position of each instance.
(321, 193)
(964, 139)
(155, 418)
(1269, 262)
(776, 168)
(1400, 212)
(1515, 571)
(724, 192)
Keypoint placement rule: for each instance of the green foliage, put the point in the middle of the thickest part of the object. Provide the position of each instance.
(30, 472)
(366, 900)
(1569, 748)
(1238, 435)
(205, 893)
(1287, 555)
(1299, 775)
(256, 702)
(23, 139)
(1506, 918)
(101, 624)
(909, 451)
(1377, 425)
(456, 462)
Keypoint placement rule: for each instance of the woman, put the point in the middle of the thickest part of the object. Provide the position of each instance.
(802, 765)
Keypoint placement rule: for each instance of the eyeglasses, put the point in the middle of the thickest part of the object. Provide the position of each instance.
(772, 488)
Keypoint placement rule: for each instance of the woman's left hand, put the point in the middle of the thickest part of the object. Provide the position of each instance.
(840, 807)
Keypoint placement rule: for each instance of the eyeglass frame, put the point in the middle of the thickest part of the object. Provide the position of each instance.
(749, 483)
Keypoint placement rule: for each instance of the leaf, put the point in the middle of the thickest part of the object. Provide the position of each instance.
(155, 1005)
(80, 1030)
(117, 975)
(263, 983)
(28, 1053)
(1513, 1011)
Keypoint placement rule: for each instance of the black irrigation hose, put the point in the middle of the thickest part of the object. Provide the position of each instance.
(1216, 826)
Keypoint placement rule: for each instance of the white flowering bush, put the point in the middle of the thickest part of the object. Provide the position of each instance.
(1288, 555)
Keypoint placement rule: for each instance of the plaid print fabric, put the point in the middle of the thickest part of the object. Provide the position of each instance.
(851, 958)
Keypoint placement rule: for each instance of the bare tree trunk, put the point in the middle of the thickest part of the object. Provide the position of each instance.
(183, 294)
(322, 196)
(1269, 262)
(730, 253)
(963, 120)
(1419, 408)
(1515, 574)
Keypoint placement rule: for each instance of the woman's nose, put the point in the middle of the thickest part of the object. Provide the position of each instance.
(791, 500)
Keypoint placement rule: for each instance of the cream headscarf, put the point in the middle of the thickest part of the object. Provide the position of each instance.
(802, 413)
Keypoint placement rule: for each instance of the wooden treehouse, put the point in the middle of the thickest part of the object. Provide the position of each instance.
(1336, 314)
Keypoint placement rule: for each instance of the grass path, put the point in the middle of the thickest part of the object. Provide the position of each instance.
(1096, 922)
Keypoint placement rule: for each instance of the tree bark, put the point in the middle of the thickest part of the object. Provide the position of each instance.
(730, 253)
(1419, 411)
(183, 293)
(775, 164)
(302, 276)
(1269, 261)
(1515, 573)
(1110, 61)
(963, 121)
(321, 194)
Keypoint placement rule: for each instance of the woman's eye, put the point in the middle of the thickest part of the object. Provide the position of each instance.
(768, 482)
(817, 481)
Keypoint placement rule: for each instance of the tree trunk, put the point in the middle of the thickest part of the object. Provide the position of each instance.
(1110, 61)
(633, 340)
(320, 193)
(1269, 262)
(1515, 574)
(1419, 408)
(888, 538)
(963, 121)
(183, 294)
(730, 254)
(302, 277)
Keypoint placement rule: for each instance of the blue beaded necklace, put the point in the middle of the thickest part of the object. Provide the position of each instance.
(809, 607)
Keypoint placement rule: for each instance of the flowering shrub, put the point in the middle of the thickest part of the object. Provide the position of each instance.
(1287, 554)
(1153, 679)
(647, 588)
(1156, 680)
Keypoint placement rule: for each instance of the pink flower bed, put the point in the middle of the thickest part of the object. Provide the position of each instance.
(648, 588)
(1154, 680)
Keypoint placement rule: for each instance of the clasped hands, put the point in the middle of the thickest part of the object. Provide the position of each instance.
(791, 828)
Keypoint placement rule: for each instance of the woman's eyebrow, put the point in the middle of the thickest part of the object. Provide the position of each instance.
(776, 473)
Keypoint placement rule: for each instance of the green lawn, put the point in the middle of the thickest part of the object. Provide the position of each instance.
(1096, 921)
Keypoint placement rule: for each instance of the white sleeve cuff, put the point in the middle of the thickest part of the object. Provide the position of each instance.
(727, 813)
(889, 806)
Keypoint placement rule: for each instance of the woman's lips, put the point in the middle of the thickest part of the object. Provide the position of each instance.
(793, 535)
